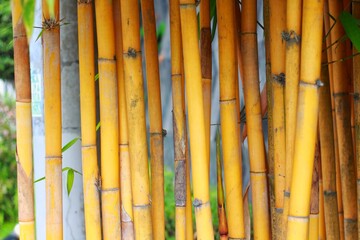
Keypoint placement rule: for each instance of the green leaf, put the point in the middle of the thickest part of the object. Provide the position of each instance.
(28, 16)
(69, 144)
(40, 179)
(70, 180)
(40, 34)
(351, 28)
(96, 77)
(97, 126)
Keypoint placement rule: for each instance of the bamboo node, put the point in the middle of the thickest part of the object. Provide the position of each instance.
(318, 83)
(287, 194)
(290, 36)
(84, 1)
(98, 183)
(197, 203)
(330, 193)
(279, 78)
(51, 23)
(356, 96)
(131, 52)
(164, 132)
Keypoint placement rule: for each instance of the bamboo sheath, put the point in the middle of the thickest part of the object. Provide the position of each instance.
(277, 55)
(327, 28)
(110, 169)
(206, 67)
(196, 119)
(254, 122)
(136, 120)
(126, 212)
(155, 116)
(292, 65)
(327, 148)
(306, 122)
(23, 125)
(90, 169)
(314, 199)
(229, 119)
(341, 96)
(356, 76)
(179, 128)
(52, 119)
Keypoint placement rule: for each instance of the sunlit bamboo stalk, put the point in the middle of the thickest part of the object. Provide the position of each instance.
(307, 119)
(254, 121)
(229, 119)
(24, 151)
(136, 119)
(110, 167)
(52, 119)
(90, 169)
(292, 65)
(126, 212)
(194, 95)
(155, 116)
(341, 82)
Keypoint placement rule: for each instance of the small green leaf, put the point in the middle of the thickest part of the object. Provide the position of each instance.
(40, 179)
(69, 144)
(70, 180)
(40, 34)
(351, 28)
(97, 126)
(96, 77)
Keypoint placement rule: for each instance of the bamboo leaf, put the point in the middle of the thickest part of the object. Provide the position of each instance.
(69, 144)
(351, 28)
(28, 7)
(70, 180)
(97, 126)
(96, 77)
(40, 34)
(40, 179)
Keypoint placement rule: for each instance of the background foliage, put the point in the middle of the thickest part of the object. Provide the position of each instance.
(6, 46)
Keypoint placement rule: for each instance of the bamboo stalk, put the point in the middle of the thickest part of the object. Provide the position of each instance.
(126, 211)
(110, 169)
(254, 122)
(178, 122)
(155, 116)
(356, 76)
(229, 119)
(306, 122)
(196, 119)
(136, 120)
(277, 55)
(90, 169)
(314, 199)
(292, 66)
(341, 81)
(330, 69)
(24, 158)
(223, 228)
(322, 227)
(206, 67)
(52, 119)
(328, 165)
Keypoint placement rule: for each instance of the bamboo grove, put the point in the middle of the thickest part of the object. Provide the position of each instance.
(304, 172)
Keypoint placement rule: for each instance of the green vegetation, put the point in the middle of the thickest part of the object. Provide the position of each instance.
(6, 46)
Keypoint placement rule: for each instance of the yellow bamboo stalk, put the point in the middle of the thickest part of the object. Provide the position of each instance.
(330, 69)
(179, 127)
(23, 125)
(90, 169)
(196, 119)
(206, 67)
(110, 169)
(307, 117)
(356, 76)
(327, 148)
(292, 66)
(52, 119)
(136, 119)
(341, 82)
(223, 227)
(254, 121)
(155, 116)
(314, 200)
(127, 218)
(229, 119)
(277, 55)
